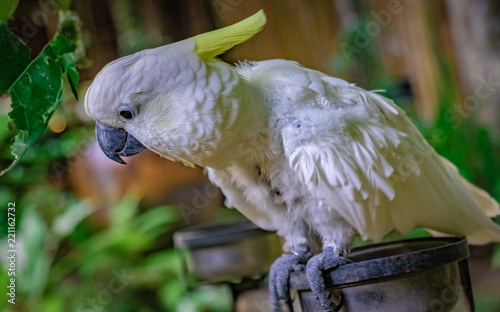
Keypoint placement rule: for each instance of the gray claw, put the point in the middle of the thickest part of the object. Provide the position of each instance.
(315, 266)
(279, 275)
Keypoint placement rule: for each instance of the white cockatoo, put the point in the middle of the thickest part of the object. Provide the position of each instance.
(294, 150)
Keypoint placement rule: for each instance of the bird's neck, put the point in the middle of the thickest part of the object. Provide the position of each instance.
(242, 131)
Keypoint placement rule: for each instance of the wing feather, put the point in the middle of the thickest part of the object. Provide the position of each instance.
(235, 197)
(372, 165)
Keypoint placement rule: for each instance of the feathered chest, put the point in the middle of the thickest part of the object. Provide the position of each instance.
(274, 172)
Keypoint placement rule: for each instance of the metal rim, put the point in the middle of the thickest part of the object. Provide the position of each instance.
(203, 236)
(449, 250)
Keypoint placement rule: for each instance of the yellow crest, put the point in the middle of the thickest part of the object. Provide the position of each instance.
(216, 42)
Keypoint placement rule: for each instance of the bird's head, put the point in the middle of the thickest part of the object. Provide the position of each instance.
(167, 99)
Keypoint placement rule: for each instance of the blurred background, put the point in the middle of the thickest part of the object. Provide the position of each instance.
(83, 220)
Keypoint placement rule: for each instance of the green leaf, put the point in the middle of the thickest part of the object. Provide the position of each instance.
(69, 65)
(68, 33)
(14, 58)
(65, 224)
(35, 96)
(62, 44)
(7, 8)
(4, 132)
(36, 89)
(69, 46)
(33, 233)
(125, 211)
(156, 219)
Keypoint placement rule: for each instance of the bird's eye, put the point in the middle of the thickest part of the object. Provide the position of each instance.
(126, 114)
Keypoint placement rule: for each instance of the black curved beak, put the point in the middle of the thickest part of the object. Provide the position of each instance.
(116, 142)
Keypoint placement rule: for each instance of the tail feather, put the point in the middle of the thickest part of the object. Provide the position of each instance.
(489, 205)
(486, 235)
(491, 233)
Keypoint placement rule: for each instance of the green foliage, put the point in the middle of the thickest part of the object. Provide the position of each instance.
(7, 8)
(133, 34)
(358, 60)
(34, 99)
(36, 88)
(70, 250)
(14, 58)
(70, 262)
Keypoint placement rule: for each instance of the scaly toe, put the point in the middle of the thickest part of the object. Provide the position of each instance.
(314, 271)
(279, 275)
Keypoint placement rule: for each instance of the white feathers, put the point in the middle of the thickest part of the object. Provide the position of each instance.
(358, 154)
(293, 149)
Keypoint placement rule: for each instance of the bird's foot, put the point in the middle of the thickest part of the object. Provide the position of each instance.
(279, 275)
(315, 267)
